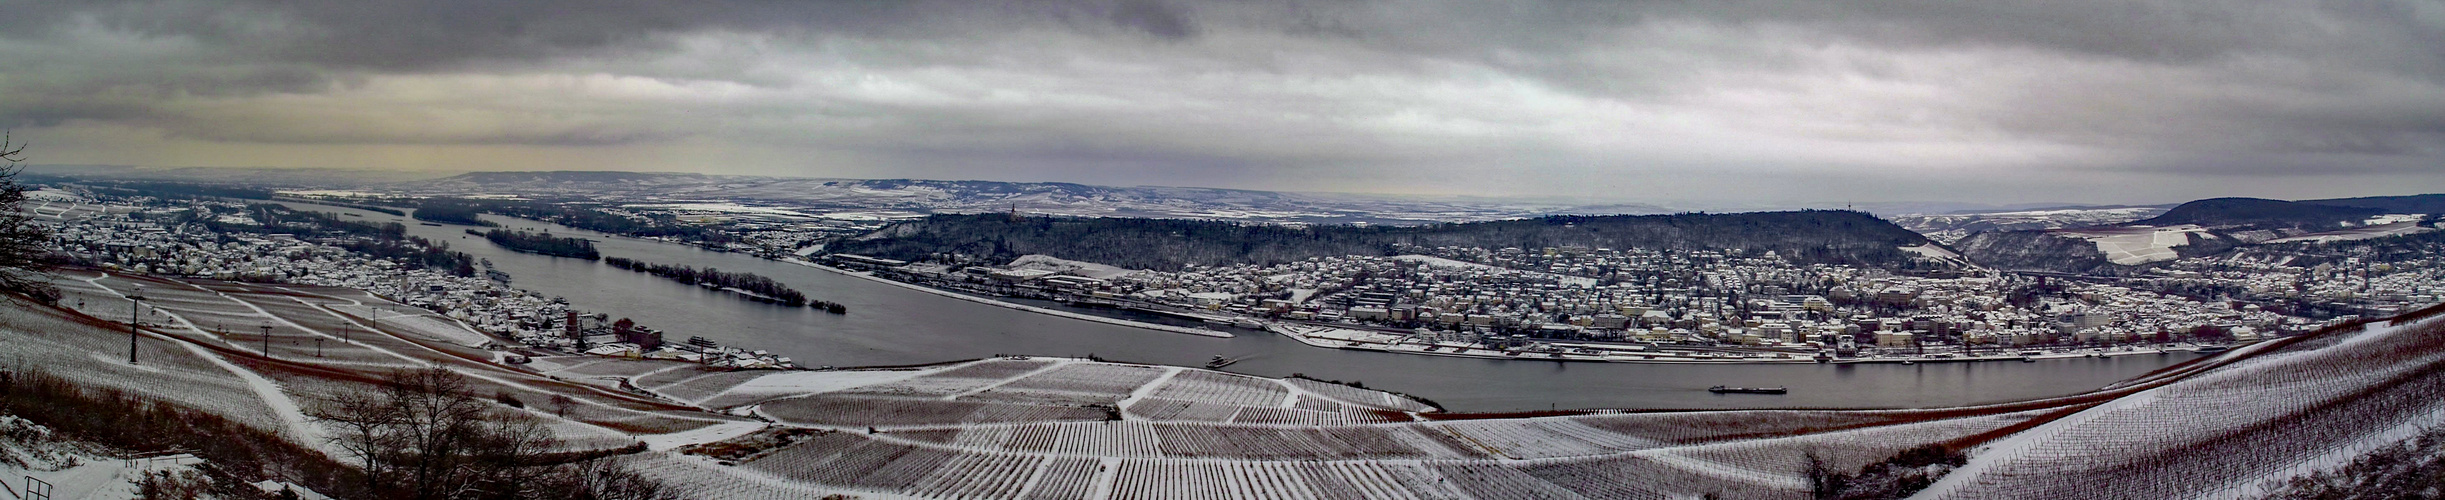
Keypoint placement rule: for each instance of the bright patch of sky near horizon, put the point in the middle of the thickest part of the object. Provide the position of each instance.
(1985, 100)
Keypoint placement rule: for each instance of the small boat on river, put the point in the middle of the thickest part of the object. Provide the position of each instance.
(1746, 390)
(1218, 362)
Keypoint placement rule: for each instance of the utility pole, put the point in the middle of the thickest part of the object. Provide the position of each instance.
(267, 341)
(135, 306)
(318, 347)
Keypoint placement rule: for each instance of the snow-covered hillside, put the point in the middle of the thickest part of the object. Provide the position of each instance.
(1951, 227)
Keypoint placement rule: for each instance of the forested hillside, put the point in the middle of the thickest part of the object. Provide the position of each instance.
(1163, 244)
(2032, 251)
(2256, 213)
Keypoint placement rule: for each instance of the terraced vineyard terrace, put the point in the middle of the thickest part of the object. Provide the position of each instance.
(1842, 450)
(1189, 433)
(1357, 396)
(1048, 427)
(211, 331)
(1223, 389)
(2238, 428)
(1180, 409)
(847, 410)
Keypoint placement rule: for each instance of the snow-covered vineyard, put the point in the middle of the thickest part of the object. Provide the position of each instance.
(1020, 427)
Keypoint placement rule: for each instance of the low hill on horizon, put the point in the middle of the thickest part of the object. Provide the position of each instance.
(1168, 244)
(2418, 203)
(2258, 213)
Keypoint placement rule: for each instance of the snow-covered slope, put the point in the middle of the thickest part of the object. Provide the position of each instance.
(2135, 245)
(2294, 408)
(1951, 227)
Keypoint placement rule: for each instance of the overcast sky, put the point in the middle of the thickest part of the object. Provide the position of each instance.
(1974, 100)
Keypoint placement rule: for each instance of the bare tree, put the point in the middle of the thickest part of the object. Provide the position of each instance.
(606, 480)
(365, 423)
(561, 404)
(426, 435)
(23, 243)
(1823, 481)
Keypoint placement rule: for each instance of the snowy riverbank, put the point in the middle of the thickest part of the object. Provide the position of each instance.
(1345, 338)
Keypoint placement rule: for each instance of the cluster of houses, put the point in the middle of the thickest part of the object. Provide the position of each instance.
(126, 237)
(1691, 297)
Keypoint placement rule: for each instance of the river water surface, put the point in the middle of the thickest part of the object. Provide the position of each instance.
(888, 325)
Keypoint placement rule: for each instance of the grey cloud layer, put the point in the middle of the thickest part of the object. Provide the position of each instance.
(1379, 95)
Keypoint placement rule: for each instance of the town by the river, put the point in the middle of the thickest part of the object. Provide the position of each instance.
(890, 325)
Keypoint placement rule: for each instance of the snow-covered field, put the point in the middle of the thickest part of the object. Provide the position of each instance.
(1938, 252)
(1947, 228)
(2135, 245)
(417, 321)
(1078, 267)
(725, 208)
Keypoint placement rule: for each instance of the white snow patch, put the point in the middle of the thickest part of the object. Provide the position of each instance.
(1932, 251)
(331, 193)
(1061, 265)
(729, 208)
(700, 435)
(790, 383)
(430, 326)
(2394, 219)
(2137, 245)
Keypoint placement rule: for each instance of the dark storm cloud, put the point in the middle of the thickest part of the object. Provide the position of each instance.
(1280, 91)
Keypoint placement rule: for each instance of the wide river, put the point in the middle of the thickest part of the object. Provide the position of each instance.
(888, 325)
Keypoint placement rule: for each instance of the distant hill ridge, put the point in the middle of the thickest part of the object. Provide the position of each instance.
(971, 196)
(1825, 236)
(564, 177)
(2413, 204)
(2230, 222)
(2216, 212)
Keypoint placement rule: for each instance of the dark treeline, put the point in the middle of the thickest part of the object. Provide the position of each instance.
(578, 215)
(1813, 236)
(649, 226)
(358, 206)
(759, 285)
(543, 243)
(276, 218)
(449, 211)
(2260, 214)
